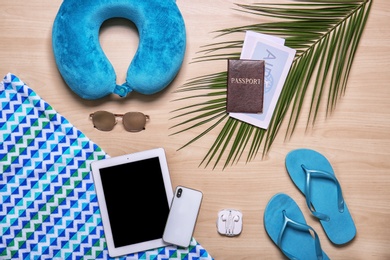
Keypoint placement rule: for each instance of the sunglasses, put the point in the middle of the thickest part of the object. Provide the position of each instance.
(132, 121)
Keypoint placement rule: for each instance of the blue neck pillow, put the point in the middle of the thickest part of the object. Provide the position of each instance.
(83, 64)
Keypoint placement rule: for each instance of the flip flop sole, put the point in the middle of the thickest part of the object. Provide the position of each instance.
(297, 243)
(340, 227)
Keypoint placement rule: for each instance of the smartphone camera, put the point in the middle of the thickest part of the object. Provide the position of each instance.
(179, 192)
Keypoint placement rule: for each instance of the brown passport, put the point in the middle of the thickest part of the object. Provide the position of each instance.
(245, 86)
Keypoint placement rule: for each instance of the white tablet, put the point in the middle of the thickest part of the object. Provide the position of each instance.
(134, 193)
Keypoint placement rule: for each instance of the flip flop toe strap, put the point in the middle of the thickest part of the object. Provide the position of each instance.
(288, 222)
(325, 175)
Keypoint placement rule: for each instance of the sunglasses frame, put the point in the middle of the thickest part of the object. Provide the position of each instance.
(115, 115)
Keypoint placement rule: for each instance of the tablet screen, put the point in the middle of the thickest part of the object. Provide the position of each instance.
(136, 201)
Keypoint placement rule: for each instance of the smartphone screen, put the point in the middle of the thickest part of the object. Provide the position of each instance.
(182, 216)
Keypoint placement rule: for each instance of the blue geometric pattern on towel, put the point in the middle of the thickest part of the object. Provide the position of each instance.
(48, 204)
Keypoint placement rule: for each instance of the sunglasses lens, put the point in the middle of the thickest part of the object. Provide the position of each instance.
(103, 120)
(134, 121)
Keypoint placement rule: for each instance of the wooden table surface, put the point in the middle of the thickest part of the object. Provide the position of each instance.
(355, 138)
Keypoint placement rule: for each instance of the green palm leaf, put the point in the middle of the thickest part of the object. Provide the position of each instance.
(324, 33)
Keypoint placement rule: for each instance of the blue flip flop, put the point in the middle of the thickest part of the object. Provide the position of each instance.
(286, 226)
(313, 175)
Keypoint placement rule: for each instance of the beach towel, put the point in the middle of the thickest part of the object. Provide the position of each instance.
(48, 204)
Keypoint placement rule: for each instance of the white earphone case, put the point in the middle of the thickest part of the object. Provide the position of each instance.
(229, 222)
